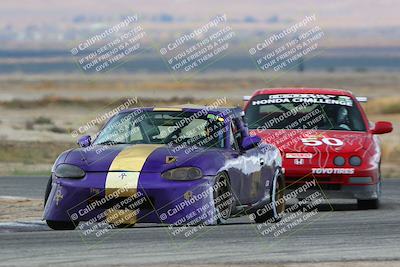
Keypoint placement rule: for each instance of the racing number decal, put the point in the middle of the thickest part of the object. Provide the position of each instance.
(332, 141)
(313, 141)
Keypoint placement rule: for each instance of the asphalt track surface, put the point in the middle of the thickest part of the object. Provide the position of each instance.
(345, 234)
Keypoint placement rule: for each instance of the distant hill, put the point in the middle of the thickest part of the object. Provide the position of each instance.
(346, 22)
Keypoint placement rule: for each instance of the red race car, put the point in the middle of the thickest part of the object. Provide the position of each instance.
(323, 135)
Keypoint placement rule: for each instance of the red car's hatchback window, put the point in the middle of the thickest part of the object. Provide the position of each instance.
(304, 111)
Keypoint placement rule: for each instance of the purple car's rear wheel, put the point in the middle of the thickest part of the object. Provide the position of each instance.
(276, 207)
(223, 198)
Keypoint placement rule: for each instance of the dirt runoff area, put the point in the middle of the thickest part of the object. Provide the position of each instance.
(17, 208)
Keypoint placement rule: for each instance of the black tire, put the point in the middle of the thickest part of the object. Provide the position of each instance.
(371, 204)
(58, 225)
(223, 211)
(275, 213)
(368, 204)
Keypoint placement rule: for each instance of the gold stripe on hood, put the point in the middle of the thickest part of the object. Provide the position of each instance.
(123, 177)
(132, 158)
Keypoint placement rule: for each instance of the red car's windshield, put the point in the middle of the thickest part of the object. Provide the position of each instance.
(304, 111)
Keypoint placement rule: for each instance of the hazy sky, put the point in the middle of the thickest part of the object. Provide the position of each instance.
(338, 14)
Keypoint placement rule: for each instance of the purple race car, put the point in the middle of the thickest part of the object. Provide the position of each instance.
(179, 166)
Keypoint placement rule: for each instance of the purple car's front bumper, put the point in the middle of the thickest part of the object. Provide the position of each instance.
(156, 200)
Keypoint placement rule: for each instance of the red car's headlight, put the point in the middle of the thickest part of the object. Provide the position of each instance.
(339, 161)
(355, 161)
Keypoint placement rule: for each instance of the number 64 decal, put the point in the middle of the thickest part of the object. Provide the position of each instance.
(313, 141)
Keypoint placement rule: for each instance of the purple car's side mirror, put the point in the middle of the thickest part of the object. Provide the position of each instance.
(85, 141)
(250, 141)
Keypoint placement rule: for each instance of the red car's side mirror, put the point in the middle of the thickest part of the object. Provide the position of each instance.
(382, 127)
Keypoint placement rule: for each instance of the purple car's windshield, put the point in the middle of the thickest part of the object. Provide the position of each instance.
(304, 111)
(163, 127)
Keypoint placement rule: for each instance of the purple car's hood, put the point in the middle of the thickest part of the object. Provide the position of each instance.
(144, 158)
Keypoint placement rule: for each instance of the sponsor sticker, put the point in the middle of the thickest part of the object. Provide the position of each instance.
(298, 161)
(170, 159)
(333, 170)
(299, 155)
(305, 98)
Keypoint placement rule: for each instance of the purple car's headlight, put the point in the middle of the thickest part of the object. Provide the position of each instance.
(69, 171)
(183, 174)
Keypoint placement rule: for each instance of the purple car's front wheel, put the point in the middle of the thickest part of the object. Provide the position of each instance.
(58, 225)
